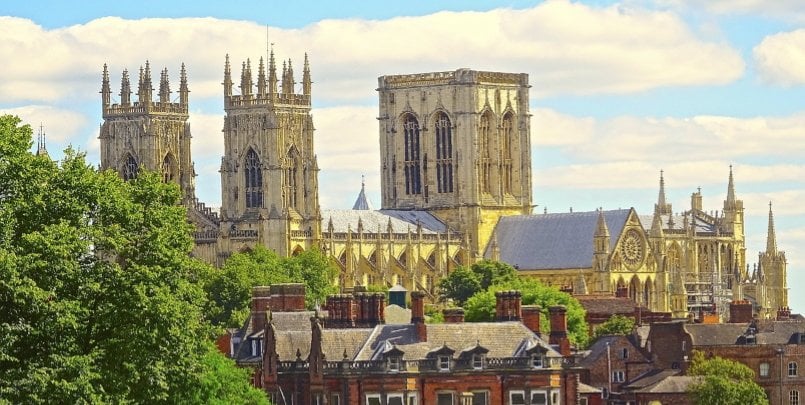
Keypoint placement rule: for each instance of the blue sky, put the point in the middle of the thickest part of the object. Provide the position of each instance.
(620, 90)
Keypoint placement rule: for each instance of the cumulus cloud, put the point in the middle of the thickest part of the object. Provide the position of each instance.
(567, 48)
(780, 58)
(786, 10)
(59, 125)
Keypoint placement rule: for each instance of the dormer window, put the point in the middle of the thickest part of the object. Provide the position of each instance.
(537, 361)
(257, 347)
(444, 363)
(393, 363)
(477, 361)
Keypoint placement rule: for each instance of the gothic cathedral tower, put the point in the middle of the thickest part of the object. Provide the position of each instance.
(457, 144)
(148, 134)
(269, 172)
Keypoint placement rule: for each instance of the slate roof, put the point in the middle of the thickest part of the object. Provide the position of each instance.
(362, 203)
(674, 384)
(401, 221)
(553, 241)
(768, 332)
(678, 223)
(502, 339)
(600, 304)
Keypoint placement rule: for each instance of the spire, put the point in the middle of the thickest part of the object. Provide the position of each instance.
(291, 81)
(261, 79)
(164, 87)
(106, 92)
(662, 207)
(144, 91)
(41, 150)
(601, 234)
(730, 202)
(284, 78)
(362, 203)
(771, 238)
(306, 77)
(581, 285)
(227, 78)
(125, 89)
(183, 91)
(272, 74)
(656, 226)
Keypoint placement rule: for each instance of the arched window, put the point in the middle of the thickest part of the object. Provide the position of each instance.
(506, 153)
(254, 180)
(444, 154)
(291, 177)
(412, 155)
(793, 397)
(792, 369)
(484, 162)
(130, 168)
(167, 169)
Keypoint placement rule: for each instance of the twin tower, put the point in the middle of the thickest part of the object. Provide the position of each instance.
(455, 145)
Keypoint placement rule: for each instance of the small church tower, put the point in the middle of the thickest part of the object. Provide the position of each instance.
(147, 134)
(773, 265)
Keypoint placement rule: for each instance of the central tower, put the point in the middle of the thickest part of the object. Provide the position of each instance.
(269, 172)
(457, 144)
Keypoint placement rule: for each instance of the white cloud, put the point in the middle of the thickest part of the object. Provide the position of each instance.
(566, 47)
(59, 125)
(780, 58)
(208, 140)
(786, 10)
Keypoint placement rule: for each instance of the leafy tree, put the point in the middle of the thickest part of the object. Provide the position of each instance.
(100, 299)
(724, 382)
(490, 272)
(230, 289)
(460, 285)
(615, 325)
(481, 306)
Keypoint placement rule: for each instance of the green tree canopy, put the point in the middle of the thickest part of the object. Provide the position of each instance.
(615, 325)
(230, 289)
(481, 306)
(724, 382)
(460, 285)
(490, 272)
(100, 299)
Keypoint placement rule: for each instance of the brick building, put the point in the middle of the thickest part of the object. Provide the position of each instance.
(348, 355)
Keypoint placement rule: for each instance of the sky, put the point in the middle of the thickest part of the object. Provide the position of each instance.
(620, 90)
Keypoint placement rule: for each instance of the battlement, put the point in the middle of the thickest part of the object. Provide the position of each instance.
(118, 110)
(459, 76)
(278, 100)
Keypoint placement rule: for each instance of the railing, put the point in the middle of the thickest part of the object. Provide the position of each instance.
(206, 236)
(383, 236)
(413, 366)
(142, 108)
(243, 234)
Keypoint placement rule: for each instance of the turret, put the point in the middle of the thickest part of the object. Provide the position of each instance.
(106, 91)
(183, 90)
(733, 211)
(771, 236)
(662, 207)
(272, 75)
(246, 79)
(306, 78)
(227, 78)
(601, 242)
(164, 87)
(261, 79)
(730, 203)
(145, 89)
(125, 89)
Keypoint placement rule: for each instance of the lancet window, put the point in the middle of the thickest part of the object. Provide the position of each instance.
(484, 151)
(254, 180)
(168, 168)
(507, 134)
(130, 168)
(412, 162)
(444, 154)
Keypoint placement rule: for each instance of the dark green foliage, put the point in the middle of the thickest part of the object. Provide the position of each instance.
(460, 285)
(724, 382)
(230, 289)
(615, 325)
(100, 301)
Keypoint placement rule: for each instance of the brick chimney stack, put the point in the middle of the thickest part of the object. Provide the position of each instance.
(740, 311)
(784, 314)
(531, 318)
(558, 335)
(508, 306)
(261, 302)
(418, 315)
(341, 312)
(453, 315)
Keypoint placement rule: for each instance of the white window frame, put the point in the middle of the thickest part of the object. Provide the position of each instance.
(763, 369)
(484, 392)
(396, 395)
(512, 393)
(537, 392)
(477, 361)
(537, 361)
(393, 363)
(793, 397)
(792, 369)
(443, 362)
(412, 398)
(378, 397)
(555, 397)
(335, 399)
(625, 353)
(618, 376)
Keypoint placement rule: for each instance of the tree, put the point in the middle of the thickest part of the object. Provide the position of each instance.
(615, 325)
(230, 289)
(723, 382)
(490, 272)
(100, 299)
(459, 285)
(481, 306)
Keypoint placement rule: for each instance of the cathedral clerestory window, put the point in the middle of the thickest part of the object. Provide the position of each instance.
(130, 168)
(254, 180)
(444, 154)
(412, 162)
(484, 163)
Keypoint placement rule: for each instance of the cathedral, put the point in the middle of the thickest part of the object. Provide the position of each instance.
(456, 187)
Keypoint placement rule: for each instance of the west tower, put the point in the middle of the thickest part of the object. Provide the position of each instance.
(269, 172)
(148, 134)
(457, 144)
